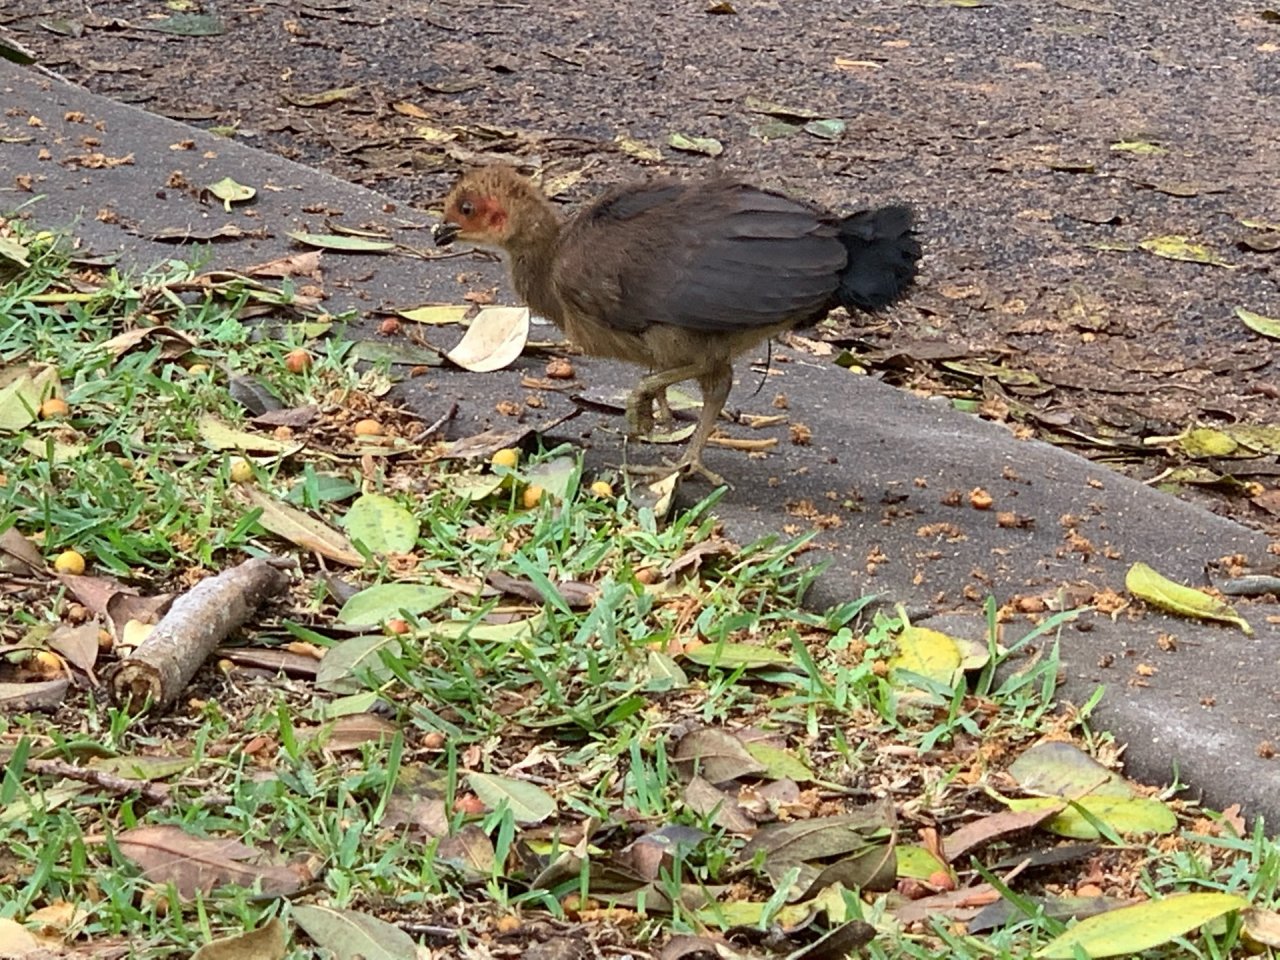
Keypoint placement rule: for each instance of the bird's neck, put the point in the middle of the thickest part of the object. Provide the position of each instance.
(532, 251)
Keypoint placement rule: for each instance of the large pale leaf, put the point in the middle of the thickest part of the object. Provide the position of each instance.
(1178, 247)
(707, 145)
(494, 340)
(167, 853)
(332, 241)
(729, 656)
(438, 313)
(715, 755)
(1127, 816)
(928, 653)
(779, 764)
(268, 942)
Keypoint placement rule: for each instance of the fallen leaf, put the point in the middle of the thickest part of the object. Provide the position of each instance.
(495, 339)
(1145, 583)
(705, 145)
(715, 755)
(300, 528)
(331, 241)
(1178, 247)
(381, 524)
(222, 436)
(229, 192)
(1141, 147)
(268, 942)
(639, 150)
(194, 865)
(434, 314)
(1131, 930)
(22, 390)
(1267, 326)
(173, 342)
(527, 802)
(349, 934)
(323, 98)
(377, 604)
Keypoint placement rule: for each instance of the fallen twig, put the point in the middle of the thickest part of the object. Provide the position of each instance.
(160, 668)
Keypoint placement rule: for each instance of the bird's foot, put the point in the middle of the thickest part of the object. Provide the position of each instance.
(687, 467)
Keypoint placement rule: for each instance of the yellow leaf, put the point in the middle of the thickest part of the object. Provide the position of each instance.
(1159, 591)
(437, 313)
(1137, 146)
(1206, 442)
(1178, 247)
(928, 653)
(638, 149)
(1130, 930)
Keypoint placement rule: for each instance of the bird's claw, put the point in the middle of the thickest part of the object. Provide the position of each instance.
(683, 467)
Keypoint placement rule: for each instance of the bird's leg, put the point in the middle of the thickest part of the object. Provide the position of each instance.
(653, 389)
(715, 384)
(715, 381)
(663, 414)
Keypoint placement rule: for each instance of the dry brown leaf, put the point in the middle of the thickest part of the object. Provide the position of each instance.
(168, 854)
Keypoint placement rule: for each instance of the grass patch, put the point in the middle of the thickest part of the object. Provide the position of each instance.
(591, 725)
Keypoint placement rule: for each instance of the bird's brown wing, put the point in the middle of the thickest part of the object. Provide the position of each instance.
(712, 256)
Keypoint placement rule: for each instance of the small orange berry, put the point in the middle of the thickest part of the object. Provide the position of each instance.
(53, 408)
(69, 561)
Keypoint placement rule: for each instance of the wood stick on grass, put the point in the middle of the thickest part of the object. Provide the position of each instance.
(161, 667)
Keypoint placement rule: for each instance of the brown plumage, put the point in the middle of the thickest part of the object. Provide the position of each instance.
(682, 277)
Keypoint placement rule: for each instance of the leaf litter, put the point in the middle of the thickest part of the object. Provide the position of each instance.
(750, 663)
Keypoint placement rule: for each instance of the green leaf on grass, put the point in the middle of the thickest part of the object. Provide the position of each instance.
(1127, 816)
(348, 934)
(346, 665)
(381, 524)
(779, 764)
(22, 390)
(730, 656)
(380, 603)
(528, 802)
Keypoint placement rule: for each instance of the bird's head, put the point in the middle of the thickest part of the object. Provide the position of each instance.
(488, 207)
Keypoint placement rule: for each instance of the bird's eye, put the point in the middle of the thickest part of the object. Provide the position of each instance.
(466, 208)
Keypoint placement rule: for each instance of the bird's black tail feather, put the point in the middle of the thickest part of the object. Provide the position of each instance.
(883, 251)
